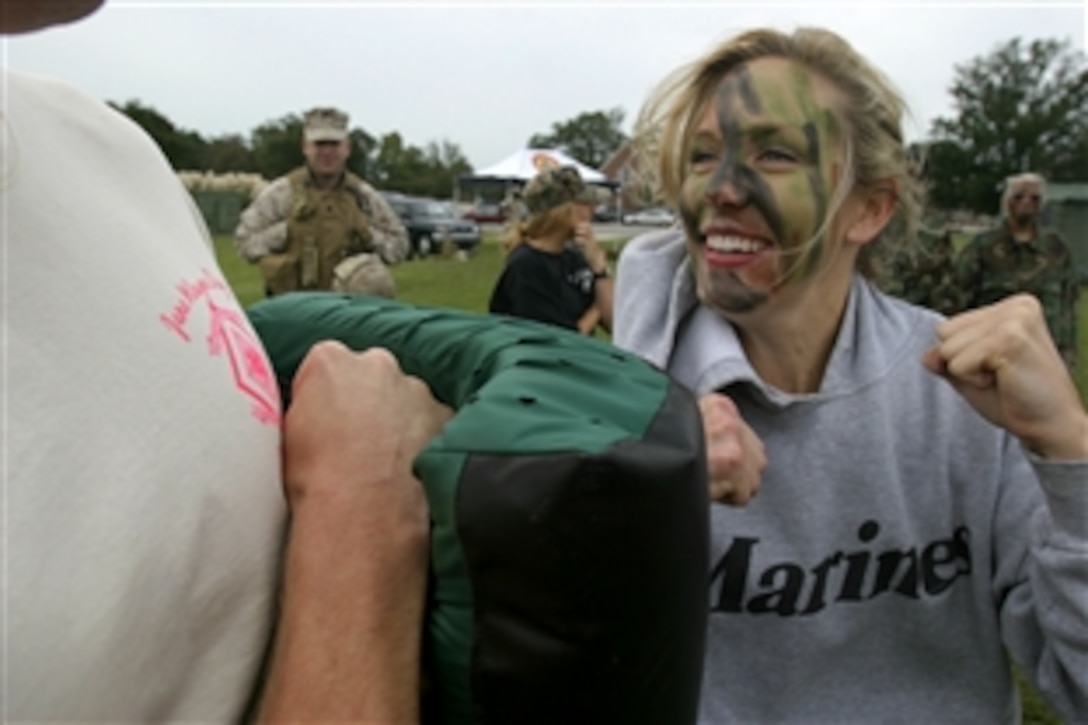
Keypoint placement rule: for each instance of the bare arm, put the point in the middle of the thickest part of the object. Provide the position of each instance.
(348, 642)
(588, 322)
(603, 287)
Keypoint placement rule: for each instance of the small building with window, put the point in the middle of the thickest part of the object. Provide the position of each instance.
(1067, 211)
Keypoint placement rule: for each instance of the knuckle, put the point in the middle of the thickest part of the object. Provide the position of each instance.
(1027, 304)
(1013, 332)
(418, 388)
(725, 454)
(720, 489)
(381, 358)
(716, 402)
(327, 351)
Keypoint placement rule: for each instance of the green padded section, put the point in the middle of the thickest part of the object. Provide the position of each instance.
(518, 387)
(469, 360)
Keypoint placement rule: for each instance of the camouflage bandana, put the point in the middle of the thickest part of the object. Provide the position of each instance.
(554, 187)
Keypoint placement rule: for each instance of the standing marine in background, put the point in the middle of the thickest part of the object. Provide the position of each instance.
(922, 269)
(925, 274)
(321, 226)
(513, 208)
(1021, 255)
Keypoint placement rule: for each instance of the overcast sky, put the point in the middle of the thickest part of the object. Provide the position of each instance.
(485, 76)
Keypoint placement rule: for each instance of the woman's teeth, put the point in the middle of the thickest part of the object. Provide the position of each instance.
(734, 245)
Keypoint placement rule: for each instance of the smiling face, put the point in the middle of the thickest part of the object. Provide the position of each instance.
(764, 161)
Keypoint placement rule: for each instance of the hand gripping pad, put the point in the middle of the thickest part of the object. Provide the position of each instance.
(568, 496)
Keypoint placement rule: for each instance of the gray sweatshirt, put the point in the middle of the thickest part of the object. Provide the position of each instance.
(901, 547)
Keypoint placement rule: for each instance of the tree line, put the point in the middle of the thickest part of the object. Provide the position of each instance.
(388, 162)
(1021, 107)
(274, 148)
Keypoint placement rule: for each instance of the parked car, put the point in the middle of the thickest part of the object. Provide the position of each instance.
(483, 213)
(605, 213)
(430, 222)
(654, 216)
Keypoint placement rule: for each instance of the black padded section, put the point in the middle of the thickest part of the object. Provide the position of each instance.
(589, 572)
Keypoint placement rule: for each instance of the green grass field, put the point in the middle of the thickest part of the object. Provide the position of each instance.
(467, 285)
(436, 280)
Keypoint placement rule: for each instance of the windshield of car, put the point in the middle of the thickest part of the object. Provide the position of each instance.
(431, 208)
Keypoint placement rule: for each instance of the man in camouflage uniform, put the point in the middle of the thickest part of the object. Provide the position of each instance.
(1022, 256)
(302, 226)
(513, 211)
(513, 207)
(926, 273)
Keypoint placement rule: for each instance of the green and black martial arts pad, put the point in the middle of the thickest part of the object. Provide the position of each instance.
(568, 495)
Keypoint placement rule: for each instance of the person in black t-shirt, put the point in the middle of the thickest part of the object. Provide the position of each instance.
(555, 270)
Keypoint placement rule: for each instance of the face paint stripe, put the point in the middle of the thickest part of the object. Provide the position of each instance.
(726, 171)
(816, 181)
(748, 95)
(762, 198)
(749, 186)
(819, 192)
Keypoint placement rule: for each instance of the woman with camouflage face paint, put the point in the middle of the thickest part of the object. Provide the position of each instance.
(922, 481)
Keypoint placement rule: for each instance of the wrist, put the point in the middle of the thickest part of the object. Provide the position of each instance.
(595, 258)
(331, 510)
(1071, 445)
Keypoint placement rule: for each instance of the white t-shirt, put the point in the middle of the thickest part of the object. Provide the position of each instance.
(142, 508)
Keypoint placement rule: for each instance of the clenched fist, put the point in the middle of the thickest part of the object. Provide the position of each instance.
(735, 454)
(1003, 361)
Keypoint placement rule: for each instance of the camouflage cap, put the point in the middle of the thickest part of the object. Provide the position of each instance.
(364, 274)
(325, 124)
(553, 187)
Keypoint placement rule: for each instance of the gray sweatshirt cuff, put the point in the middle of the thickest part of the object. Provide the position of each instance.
(1065, 484)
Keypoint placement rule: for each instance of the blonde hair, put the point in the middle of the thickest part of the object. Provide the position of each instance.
(550, 222)
(872, 112)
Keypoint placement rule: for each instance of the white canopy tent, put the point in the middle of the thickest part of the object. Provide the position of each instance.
(518, 168)
(527, 163)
